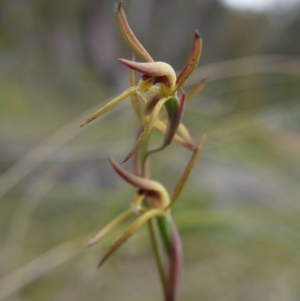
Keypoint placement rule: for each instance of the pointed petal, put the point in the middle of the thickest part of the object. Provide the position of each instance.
(130, 37)
(142, 183)
(192, 61)
(131, 230)
(187, 172)
(148, 128)
(110, 226)
(110, 105)
(134, 180)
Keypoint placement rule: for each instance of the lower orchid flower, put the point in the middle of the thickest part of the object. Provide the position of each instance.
(158, 203)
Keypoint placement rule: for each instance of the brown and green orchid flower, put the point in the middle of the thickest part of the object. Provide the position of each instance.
(152, 200)
(158, 204)
(159, 78)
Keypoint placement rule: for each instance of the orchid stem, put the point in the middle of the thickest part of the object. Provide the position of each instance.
(151, 225)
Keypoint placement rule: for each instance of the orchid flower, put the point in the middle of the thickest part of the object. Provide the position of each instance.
(158, 203)
(159, 78)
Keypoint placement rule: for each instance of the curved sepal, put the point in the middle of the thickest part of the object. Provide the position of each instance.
(150, 187)
(130, 37)
(192, 62)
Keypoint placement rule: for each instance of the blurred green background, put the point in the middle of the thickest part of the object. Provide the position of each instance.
(238, 214)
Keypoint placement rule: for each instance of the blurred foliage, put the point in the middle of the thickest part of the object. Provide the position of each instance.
(238, 214)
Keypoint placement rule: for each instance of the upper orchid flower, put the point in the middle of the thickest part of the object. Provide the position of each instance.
(152, 73)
